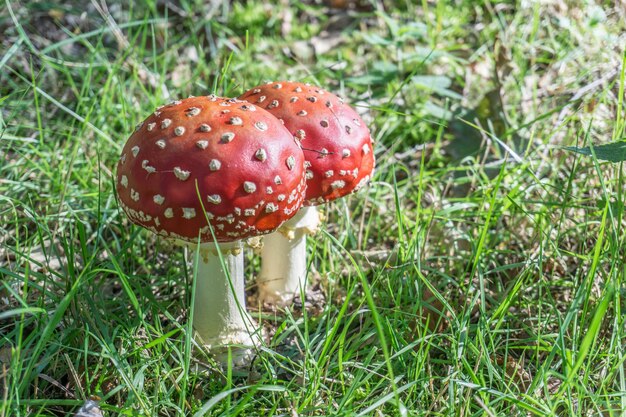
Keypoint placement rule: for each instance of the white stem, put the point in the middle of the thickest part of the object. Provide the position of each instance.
(220, 317)
(283, 258)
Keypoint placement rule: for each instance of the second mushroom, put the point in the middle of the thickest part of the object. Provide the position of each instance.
(339, 160)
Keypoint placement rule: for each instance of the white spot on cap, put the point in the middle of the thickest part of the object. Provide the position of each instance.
(302, 113)
(298, 90)
(329, 104)
(165, 123)
(237, 211)
(189, 213)
(366, 149)
(261, 155)
(271, 208)
(214, 198)
(179, 130)
(168, 213)
(228, 218)
(205, 128)
(134, 195)
(337, 184)
(249, 212)
(235, 121)
(324, 153)
(249, 187)
(181, 174)
(273, 104)
(123, 159)
(202, 144)
(151, 126)
(135, 150)
(293, 99)
(329, 173)
(291, 162)
(144, 165)
(228, 137)
(300, 134)
(345, 153)
(307, 164)
(160, 143)
(262, 126)
(124, 181)
(159, 199)
(261, 99)
(281, 197)
(278, 85)
(157, 221)
(277, 180)
(309, 174)
(312, 99)
(192, 111)
(215, 165)
(361, 183)
(269, 190)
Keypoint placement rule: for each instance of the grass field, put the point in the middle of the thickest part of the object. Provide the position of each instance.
(481, 272)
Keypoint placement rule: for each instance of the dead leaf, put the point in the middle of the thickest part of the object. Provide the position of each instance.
(515, 372)
(90, 408)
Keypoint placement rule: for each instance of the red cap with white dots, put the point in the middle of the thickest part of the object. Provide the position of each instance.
(336, 143)
(211, 159)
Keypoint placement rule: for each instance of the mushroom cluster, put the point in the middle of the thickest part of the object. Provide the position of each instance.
(213, 171)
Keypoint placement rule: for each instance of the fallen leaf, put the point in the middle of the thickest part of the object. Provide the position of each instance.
(90, 408)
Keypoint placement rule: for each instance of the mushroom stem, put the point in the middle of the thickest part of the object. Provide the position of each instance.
(283, 258)
(220, 317)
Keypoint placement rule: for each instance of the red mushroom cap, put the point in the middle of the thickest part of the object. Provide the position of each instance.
(225, 157)
(336, 143)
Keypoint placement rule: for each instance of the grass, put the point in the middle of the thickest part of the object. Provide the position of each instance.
(481, 273)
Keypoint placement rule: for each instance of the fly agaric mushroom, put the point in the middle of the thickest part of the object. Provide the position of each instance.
(210, 166)
(339, 160)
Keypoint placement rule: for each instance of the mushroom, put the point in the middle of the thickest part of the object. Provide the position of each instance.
(339, 160)
(213, 171)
